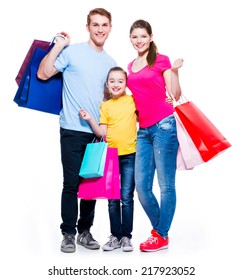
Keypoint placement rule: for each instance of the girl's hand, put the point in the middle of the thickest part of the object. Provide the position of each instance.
(84, 115)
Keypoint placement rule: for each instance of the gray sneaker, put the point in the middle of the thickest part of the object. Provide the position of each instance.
(68, 243)
(112, 244)
(86, 239)
(126, 244)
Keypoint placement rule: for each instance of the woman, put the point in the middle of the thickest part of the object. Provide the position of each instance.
(150, 77)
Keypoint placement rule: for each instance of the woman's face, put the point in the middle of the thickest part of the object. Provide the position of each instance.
(140, 39)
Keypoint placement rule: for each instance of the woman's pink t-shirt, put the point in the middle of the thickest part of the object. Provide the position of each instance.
(149, 91)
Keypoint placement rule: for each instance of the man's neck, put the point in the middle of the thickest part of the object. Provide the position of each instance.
(96, 47)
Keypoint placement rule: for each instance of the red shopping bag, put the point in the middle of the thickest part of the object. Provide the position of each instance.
(206, 137)
(107, 186)
(36, 44)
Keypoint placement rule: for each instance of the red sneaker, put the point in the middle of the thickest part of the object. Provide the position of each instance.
(154, 243)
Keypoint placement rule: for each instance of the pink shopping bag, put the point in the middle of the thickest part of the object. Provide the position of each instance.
(188, 156)
(107, 186)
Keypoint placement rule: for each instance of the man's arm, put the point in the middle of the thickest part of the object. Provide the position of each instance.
(46, 68)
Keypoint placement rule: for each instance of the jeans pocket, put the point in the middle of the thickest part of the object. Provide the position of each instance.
(167, 124)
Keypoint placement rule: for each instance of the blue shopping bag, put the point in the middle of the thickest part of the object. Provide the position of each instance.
(93, 163)
(36, 94)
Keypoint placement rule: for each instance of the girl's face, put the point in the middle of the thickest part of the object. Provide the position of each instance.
(140, 39)
(116, 83)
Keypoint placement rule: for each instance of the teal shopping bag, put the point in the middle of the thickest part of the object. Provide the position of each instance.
(93, 163)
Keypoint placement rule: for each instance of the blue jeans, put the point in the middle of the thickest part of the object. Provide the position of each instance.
(157, 148)
(73, 144)
(121, 211)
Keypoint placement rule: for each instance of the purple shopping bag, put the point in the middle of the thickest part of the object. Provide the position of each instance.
(36, 44)
(107, 186)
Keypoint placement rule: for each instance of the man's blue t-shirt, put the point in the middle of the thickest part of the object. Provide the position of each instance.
(84, 75)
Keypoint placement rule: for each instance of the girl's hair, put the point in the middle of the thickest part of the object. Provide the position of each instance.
(116, 68)
(153, 50)
(107, 95)
(98, 11)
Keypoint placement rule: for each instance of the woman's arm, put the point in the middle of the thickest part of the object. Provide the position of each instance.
(171, 77)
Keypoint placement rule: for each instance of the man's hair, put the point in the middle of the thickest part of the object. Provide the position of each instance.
(99, 11)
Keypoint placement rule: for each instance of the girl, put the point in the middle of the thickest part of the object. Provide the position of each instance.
(118, 123)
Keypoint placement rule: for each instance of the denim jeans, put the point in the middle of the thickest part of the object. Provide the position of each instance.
(73, 144)
(157, 148)
(121, 211)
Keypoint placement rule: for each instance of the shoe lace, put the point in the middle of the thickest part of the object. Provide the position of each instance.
(112, 240)
(88, 236)
(125, 241)
(69, 239)
(152, 239)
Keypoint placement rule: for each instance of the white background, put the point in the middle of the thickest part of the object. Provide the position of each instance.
(206, 232)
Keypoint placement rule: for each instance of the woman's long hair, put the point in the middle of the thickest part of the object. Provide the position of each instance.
(153, 50)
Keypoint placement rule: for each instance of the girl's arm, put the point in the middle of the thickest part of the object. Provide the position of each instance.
(99, 130)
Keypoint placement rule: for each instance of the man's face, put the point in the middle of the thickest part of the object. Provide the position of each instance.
(99, 30)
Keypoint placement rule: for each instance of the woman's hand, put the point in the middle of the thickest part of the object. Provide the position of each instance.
(169, 100)
(177, 64)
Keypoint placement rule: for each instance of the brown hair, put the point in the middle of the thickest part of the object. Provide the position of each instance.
(107, 95)
(153, 50)
(98, 11)
(116, 68)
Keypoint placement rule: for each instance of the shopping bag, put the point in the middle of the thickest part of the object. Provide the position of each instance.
(107, 186)
(187, 156)
(36, 94)
(93, 163)
(44, 45)
(208, 140)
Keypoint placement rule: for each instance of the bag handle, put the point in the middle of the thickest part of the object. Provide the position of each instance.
(102, 139)
(59, 35)
(53, 41)
(181, 100)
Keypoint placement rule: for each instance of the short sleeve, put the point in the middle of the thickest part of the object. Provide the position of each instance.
(103, 115)
(163, 62)
(62, 60)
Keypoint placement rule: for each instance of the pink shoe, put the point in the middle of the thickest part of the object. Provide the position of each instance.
(154, 243)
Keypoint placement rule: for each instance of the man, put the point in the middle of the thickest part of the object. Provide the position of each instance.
(84, 67)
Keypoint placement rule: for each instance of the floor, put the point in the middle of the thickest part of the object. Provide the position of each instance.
(205, 236)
